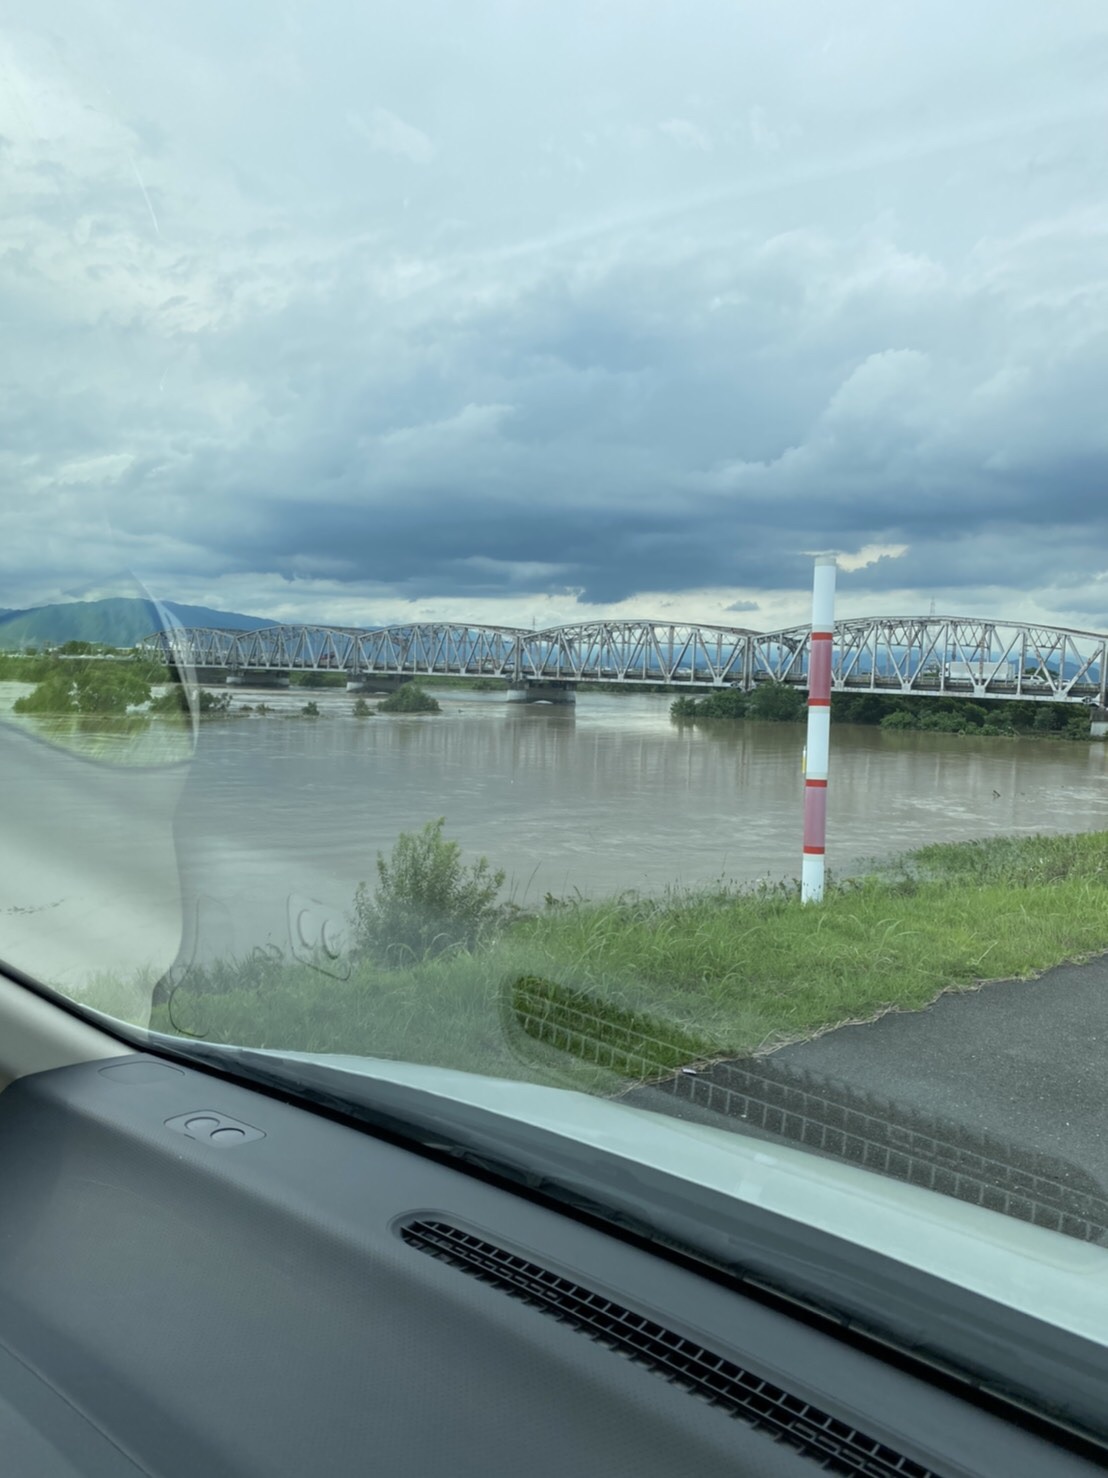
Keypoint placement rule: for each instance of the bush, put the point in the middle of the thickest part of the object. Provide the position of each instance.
(900, 718)
(726, 703)
(361, 708)
(172, 702)
(310, 709)
(778, 701)
(410, 698)
(426, 900)
(95, 688)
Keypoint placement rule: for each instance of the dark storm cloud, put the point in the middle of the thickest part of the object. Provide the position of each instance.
(666, 330)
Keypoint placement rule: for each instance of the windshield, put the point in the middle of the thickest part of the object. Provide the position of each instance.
(565, 543)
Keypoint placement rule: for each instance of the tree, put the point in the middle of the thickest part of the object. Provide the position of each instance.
(212, 703)
(410, 698)
(1046, 720)
(777, 701)
(92, 689)
(175, 700)
(726, 703)
(900, 718)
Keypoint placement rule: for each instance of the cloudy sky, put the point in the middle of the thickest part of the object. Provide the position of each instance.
(526, 310)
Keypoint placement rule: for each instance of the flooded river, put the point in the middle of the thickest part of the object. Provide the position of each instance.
(268, 830)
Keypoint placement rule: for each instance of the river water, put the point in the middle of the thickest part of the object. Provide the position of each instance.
(278, 817)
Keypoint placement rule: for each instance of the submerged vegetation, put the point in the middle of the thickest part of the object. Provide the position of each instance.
(409, 698)
(775, 701)
(945, 715)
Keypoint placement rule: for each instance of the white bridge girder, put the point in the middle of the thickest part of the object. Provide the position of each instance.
(932, 655)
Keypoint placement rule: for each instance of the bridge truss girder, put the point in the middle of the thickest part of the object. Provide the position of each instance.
(931, 655)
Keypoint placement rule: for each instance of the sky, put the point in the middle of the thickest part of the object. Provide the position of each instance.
(529, 311)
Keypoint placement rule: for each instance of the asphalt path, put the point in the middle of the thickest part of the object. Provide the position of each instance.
(1020, 1064)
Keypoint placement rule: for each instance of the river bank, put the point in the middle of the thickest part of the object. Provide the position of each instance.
(621, 990)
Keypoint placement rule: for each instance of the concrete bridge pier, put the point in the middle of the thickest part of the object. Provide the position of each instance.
(1099, 725)
(542, 692)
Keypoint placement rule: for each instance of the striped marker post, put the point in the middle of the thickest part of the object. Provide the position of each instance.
(819, 729)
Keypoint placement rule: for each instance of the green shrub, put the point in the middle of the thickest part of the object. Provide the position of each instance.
(310, 709)
(900, 718)
(175, 701)
(410, 698)
(726, 703)
(778, 701)
(92, 688)
(426, 900)
(172, 702)
(361, 708)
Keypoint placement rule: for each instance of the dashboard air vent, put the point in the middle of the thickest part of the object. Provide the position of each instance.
(836, 1445)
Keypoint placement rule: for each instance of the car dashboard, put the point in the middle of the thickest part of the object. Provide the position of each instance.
(198, 1278)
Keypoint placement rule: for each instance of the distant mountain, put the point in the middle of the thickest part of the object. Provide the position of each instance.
(118, 622)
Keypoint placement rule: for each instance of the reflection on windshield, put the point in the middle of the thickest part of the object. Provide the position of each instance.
(95, 742)
(475, 398)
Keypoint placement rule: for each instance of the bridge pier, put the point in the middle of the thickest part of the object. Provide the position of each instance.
(542, 692)
(1098, 728)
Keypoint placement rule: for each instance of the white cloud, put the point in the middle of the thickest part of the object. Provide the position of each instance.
(387, 134)
(869, 554)
(337, 379)
(763, 135)
(104, 469)
(687, 134)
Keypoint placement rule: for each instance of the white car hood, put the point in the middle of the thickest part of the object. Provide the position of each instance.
(1037, 1271)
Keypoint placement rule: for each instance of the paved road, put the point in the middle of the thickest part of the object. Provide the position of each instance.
(1023, 1060)
(1020, 1064)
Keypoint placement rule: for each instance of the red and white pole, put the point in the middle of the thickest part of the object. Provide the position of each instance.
(819, 729)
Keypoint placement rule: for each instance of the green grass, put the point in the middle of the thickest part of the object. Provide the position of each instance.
(597, 994)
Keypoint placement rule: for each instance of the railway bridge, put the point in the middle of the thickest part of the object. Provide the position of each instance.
(931, 656)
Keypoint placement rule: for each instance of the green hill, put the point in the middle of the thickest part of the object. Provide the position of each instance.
(117, 622)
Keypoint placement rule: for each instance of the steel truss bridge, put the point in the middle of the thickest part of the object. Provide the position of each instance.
(932, 655)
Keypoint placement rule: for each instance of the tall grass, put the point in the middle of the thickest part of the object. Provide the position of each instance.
(597, 993)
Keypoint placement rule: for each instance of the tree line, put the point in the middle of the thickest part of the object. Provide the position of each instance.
(895, 711)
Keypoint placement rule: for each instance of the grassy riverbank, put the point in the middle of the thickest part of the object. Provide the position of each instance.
(595, 993)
